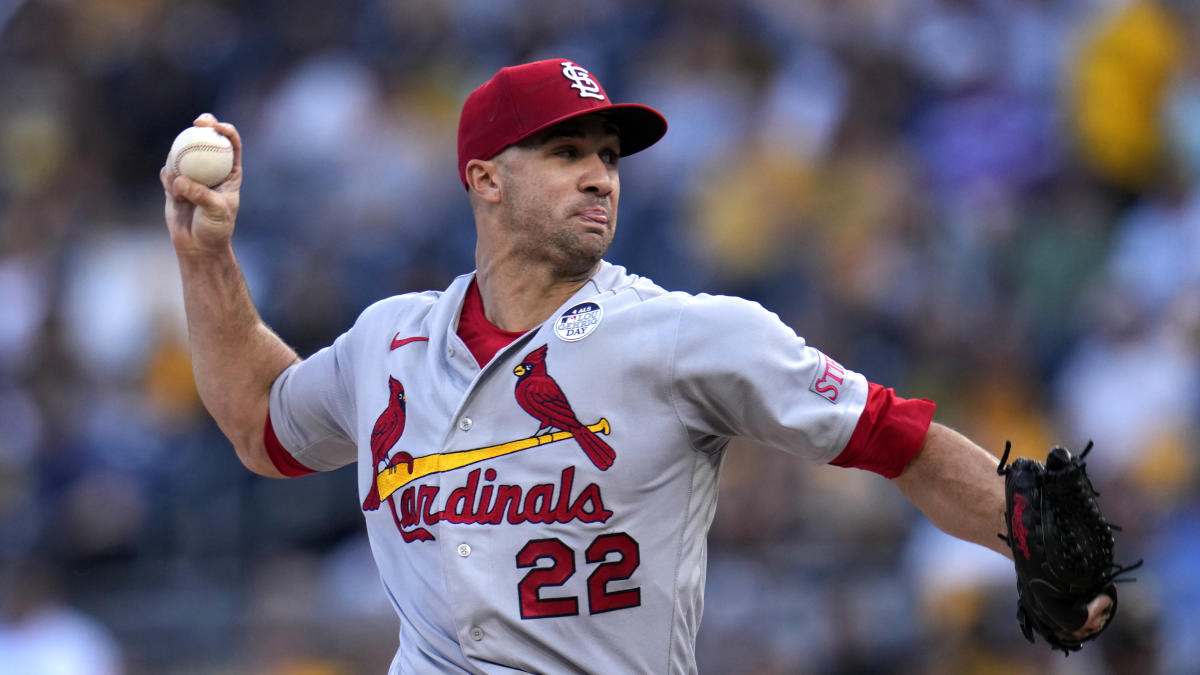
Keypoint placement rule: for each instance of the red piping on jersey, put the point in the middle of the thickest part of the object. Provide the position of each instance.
(282, 459)
(890, 432)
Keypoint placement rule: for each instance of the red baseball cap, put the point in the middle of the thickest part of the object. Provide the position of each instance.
(520, 101)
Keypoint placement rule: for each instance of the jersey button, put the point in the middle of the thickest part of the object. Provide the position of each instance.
(450, 352)
(477, 633)
(464, 550)
(465, 423)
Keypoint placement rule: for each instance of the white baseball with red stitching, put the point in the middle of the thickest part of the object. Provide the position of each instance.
(202, 154)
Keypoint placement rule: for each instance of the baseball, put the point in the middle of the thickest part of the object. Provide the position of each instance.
(202, 154)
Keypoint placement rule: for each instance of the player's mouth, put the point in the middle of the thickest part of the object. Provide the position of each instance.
(594, 218)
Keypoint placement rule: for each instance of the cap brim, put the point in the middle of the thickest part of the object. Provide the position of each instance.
(638, 126)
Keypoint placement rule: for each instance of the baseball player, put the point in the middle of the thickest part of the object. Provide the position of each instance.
(538, 444)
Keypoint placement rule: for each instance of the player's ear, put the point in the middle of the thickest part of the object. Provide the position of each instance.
(482, 179)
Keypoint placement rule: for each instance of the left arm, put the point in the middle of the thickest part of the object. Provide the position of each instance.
(954, 483)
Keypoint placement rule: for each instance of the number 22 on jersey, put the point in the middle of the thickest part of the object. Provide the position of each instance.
(615, 556)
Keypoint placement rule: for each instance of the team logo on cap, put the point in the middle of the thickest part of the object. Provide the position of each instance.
(578, 322)
(588, 88)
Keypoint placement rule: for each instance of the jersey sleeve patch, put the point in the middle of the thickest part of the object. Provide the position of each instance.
(889, 433)
(828, 381)
(280, 457)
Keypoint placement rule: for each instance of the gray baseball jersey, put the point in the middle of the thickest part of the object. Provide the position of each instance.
(549, 511)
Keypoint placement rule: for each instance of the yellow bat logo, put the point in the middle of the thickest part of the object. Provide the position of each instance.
(397, 476)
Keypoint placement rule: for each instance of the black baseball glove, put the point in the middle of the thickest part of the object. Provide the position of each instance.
(1061, 543)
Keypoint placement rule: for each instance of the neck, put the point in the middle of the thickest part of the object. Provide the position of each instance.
(521, 297)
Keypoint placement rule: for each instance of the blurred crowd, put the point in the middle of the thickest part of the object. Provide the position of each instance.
(994, 204)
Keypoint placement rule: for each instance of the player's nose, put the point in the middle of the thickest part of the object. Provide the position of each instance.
(597, 176)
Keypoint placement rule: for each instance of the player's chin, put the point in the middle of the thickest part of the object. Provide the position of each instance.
(581, 255)
(587, 236)
(593, 245)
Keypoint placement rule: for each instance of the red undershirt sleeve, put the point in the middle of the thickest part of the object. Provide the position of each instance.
(280, 457)
(889, 433)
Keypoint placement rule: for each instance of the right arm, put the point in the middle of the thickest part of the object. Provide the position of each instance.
(235, 356)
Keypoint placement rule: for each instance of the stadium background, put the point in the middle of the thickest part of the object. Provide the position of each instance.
(991, 203)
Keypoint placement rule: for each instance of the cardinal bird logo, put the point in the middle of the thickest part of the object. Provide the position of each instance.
(540, 396)
(387, 431)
